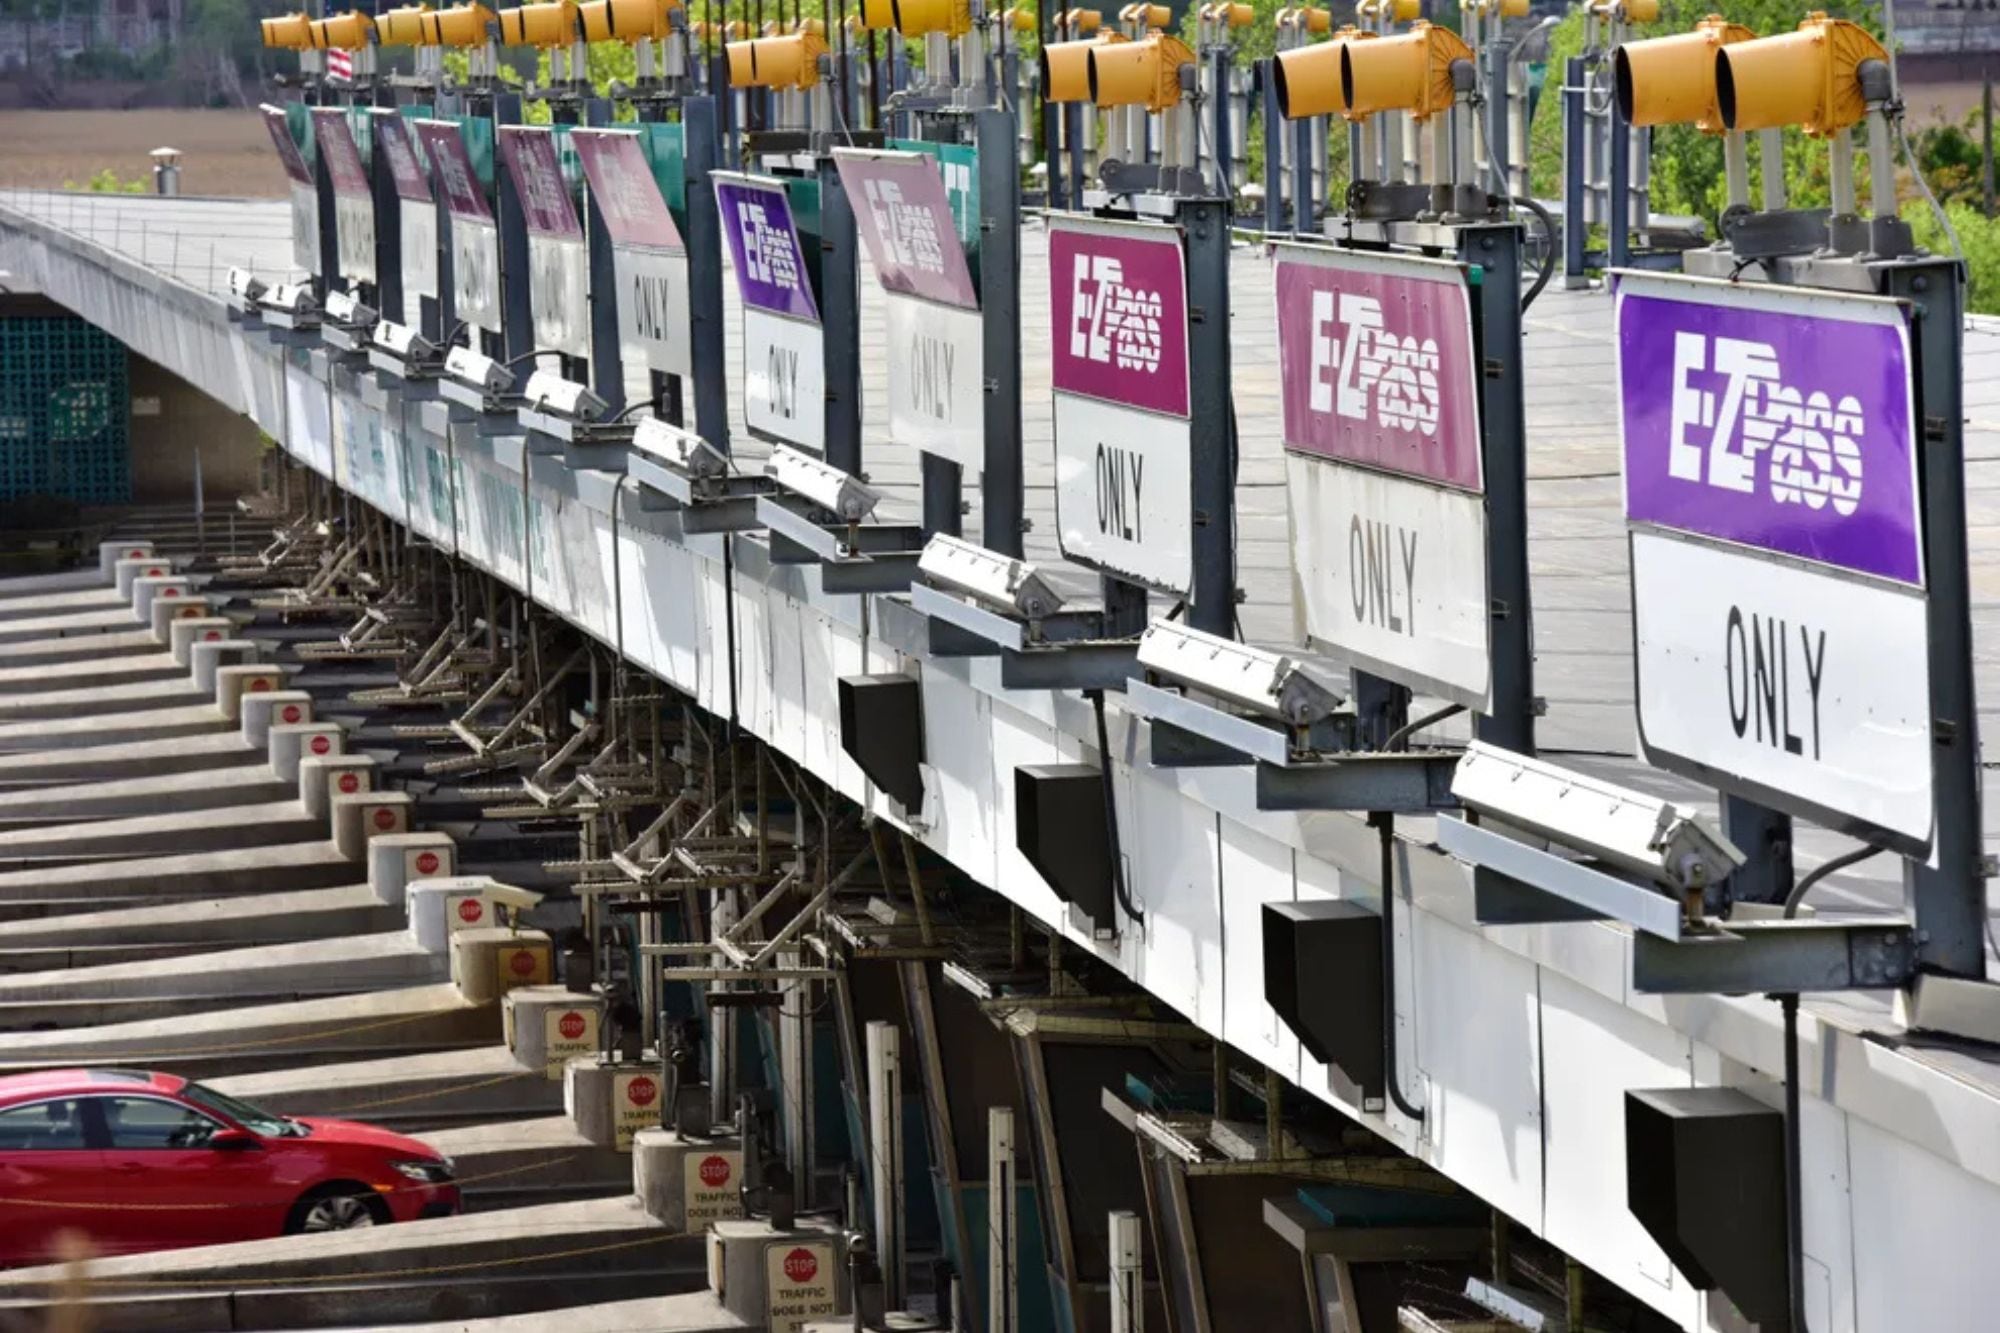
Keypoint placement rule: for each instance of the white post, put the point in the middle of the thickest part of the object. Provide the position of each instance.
(1002, 1298)
(885, 1146)
(1128, 1275)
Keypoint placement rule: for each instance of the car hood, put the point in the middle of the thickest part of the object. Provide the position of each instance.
(367, 1136)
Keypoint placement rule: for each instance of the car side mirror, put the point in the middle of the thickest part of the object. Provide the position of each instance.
(234, 1140)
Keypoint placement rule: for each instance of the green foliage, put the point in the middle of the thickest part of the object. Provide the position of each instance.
(1978, 234)
(107, 182)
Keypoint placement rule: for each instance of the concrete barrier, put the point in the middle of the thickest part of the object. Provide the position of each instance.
(323, 777)
(233, 682)
(261, 712)
(395, 860)
(166, 610)
(784, 1277)
(126, 570)
(357, 817)
(489, 962)
(183, 635)
(208, 656)
(146, 591)
(110, 553)
(687, 1183)
(548, 1026)
(441, 906)
(292, 742)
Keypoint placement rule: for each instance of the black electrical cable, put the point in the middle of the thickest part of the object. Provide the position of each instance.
(530, 354)
(1118, 885)
(1548, 247)
(1385, 825)
(1409, 729)
(654, 402)
(1820, 872)
(1794, 1167)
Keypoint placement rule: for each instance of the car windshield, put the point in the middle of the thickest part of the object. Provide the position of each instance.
(243, 1113)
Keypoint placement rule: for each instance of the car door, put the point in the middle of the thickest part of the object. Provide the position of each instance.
(157, 1157)
(51, 1181)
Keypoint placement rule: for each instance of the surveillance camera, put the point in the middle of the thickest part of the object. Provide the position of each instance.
(999, 581)
(346, 308)
(546, 389)
(837, 492)
(291, 298)
(684, 449)
(507, 895)
(403, 341)
(480, 371)
(246, 286)
(1263, 682)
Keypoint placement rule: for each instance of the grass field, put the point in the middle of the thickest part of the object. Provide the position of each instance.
(225, 153)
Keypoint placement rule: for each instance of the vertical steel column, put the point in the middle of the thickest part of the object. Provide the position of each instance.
(1498, 112)
(1618, 219)
(388, 206)
(699, 146)
(794, 1018)
(607, 362)
(517, 318)
(329, 230)
(1212, 607)
(1305, 208)
(840, 311)
(1765, 838)
(1274, 148)
(1948, 900)
(885, 1152)
(1000, 483)
(1221, 107)
(1128, 1274)
(1576, 149)
(1496, 249)
(446, 306)
(1003, 1300)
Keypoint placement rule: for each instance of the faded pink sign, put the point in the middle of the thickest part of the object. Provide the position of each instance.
(1118, 313)
(281, 139)
(538, 182)
(1376, 363)
(622, 182)
(343, 156)
(905, 221)
(445, 146)
(392, 137)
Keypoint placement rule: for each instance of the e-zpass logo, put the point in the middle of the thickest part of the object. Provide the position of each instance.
(1737, 426)
(909, 232)
(768, 256)
(1362, 371)
(1111, 323)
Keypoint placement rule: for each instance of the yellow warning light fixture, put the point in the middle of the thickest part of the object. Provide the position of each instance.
(1308, 77)
(1021, 20)
(817, 27)
(878, 15)
(1229, 15)
(342, 32)
(1143, 73)
(547, 25)
(626, 20)
(790, 61)
(1396, 11)
(1407, 71)
(1082, 22)
(402, 27)
(1671, 80)
(1066, 65)
(920, 18)
(1153, 18)
(463, 26)
(1505, 9)
(288, 32)
(1811, 78)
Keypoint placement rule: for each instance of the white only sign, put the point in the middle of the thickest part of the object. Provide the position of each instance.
(1808, 690)
(475, 272)
(354, 226)
(784, 378)
(420, 247)
(653, 316)
(558, 293)
(1390, 573)
(305, 226)
(1122, 491)
(936, 373)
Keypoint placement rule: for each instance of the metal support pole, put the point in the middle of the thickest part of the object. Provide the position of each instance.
(517, 319)
(1496, 248)
(1765, 838)
(1948, 900)
(840, 310)
(1274, 157)
(1305, 208)
(795, 1067)
(1497, 124)
(607, 364)
(1618, 198)
(1221, 135)
(1001, 480)
(885, 1150)
(1212, 607)
(1128, 1274)
(388, 206)
(329, 230)
(1002, 1280)
(446, 305)
(699, 146)
(1576, 225)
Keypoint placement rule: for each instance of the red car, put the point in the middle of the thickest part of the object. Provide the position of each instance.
(138, 1161)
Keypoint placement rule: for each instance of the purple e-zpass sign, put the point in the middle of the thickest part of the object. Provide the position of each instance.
(392, 136)
(452, 166)
(538, 181)
(343, 157)
(764, 246)
(1774, 419)
(1118, 314)
(906, 223)
(281, 139)
(1376, 365)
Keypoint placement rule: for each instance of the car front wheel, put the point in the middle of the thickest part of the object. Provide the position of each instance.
(337, 1208)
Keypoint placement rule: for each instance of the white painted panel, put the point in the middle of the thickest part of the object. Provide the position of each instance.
(827, 652)
(420, 254)
(1255, 870)
(308, 421)
(1314, 880)
(960, 804)
(1019, 740)
(1478, 1048)
(788, 687)
(784, 378)
(1828, 1203)
(1122, 488)
(753, 663)
(1809, 684)
(1172, 846)
(585, 553)
(714, 666)
(1593, 1051)
(1923, 1237)
(547, 571)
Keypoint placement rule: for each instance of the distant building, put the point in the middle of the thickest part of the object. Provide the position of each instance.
(131, 26)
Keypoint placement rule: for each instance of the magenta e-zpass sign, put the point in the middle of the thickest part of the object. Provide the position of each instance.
(1771, 418)
(1376, 362)
(1118, 314)
(299, 185)
(353, 198)
(905, 221)
(474, 239)
(558, 264)
(648, 259)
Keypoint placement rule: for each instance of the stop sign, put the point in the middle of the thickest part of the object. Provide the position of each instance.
(321, 744)
(570, 1025)
(801, 1265)
(427, 863)
(213, 636)
(135, 555)
(641, 1091)
(523, 963)
(470, 910)
(170, 592)
(349, 782)
(156, 573)
(258, 684)
(715, 1171)
(385, 818)
(188, 612)
(291, 714)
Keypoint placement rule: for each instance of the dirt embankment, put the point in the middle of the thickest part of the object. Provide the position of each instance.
(225, 153)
